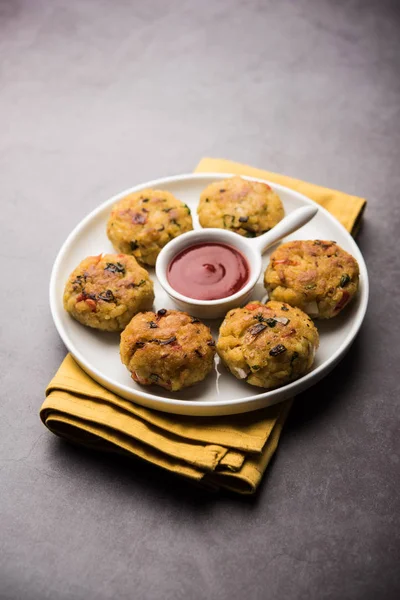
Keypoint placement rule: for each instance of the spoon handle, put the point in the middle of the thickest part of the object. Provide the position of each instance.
(289, 224)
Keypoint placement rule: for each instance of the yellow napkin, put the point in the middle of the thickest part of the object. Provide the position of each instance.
(231, 452)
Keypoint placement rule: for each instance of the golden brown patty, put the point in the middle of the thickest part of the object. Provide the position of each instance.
(170, 349)
(249, 208)
(143, 222)
(317, 276)
(267, 345)
(105, 291)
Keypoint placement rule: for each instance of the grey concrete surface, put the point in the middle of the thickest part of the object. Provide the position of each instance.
(96, 96)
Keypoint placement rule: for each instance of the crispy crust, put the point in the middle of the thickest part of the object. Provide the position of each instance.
(170, 349)
(105, 291)
(267, 345)
(143, 222)
(318, 276)
(249, 208)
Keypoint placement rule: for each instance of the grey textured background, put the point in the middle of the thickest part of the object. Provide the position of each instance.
(96, 96)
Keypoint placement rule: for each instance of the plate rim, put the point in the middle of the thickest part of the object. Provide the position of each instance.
(202, 407)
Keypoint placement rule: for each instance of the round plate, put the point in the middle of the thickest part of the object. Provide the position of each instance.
(220, 394)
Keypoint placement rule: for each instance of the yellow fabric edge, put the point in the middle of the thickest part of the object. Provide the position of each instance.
(345, 207)
(104, 415)
(57, 422)
(247, 479)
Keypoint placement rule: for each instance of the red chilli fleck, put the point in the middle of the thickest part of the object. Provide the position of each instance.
(91, 304)
(252, 306)
(343, 301)
(284, 261)
(138, 379)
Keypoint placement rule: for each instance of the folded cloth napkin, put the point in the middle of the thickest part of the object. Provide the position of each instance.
(228, 451)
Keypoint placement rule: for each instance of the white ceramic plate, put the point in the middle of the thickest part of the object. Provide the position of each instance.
(98, 352)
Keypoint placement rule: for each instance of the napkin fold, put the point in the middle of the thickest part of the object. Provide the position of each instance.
(229, 451)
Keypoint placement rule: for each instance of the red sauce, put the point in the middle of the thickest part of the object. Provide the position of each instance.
(208, 271)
